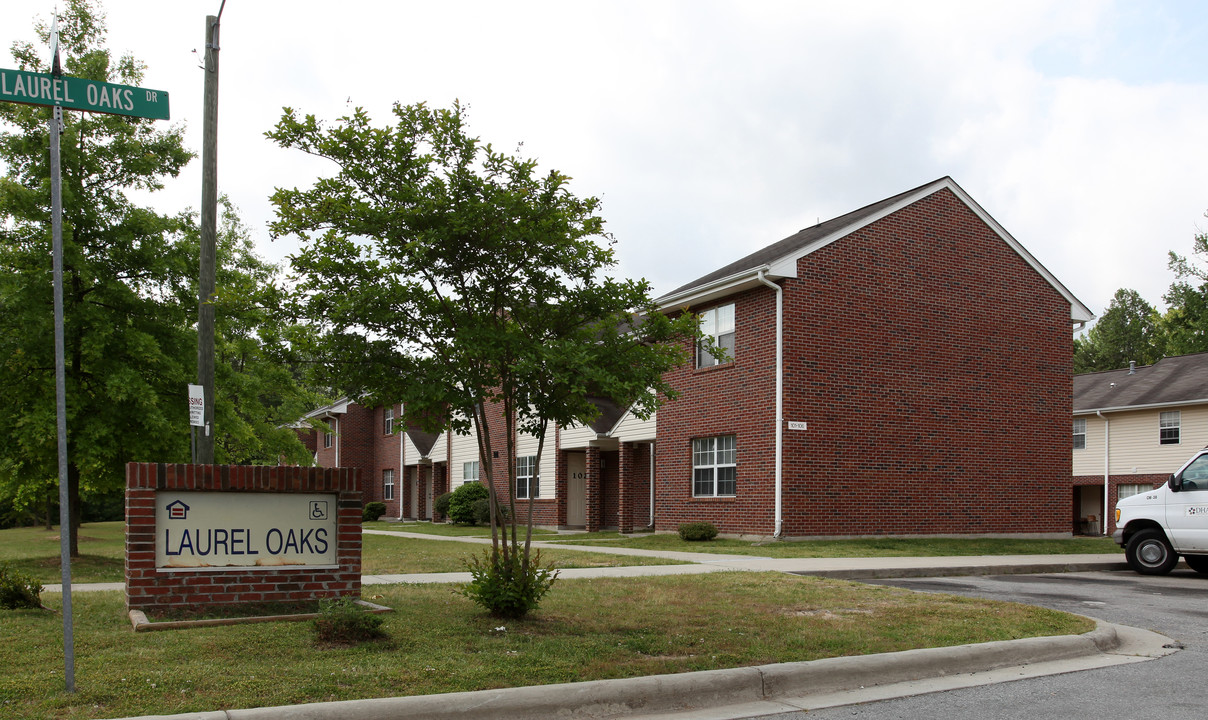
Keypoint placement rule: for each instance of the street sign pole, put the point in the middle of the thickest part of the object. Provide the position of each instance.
(60, 91)
(56, 224)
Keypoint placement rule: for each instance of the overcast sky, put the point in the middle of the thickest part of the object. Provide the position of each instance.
(711, 129)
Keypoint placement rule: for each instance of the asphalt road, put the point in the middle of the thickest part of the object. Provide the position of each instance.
(1169, 688)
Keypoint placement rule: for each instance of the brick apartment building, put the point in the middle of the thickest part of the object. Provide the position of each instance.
(902, 369)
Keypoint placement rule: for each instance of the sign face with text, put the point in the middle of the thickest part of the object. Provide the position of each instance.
(31, 88)
(197, 405)
(238, 531)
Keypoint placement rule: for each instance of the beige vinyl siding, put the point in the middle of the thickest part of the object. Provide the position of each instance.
(1134, 442)
(634, 429)
(527, 445)
(462, 449)
(576, 437)
(440, 450)
(410, 452)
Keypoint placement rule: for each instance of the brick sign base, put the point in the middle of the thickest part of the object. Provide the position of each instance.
(152, 589)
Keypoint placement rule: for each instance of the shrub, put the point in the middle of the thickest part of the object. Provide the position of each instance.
(18, 591)
(373, 511)
(441, 505)
(504, 588)
(461, 504)
(696, 531)
(342, 622)
(482, 512)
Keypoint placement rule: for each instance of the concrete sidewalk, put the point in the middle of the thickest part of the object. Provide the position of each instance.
(861, 568)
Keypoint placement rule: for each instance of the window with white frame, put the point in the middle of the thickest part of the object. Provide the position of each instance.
(327, 439)
(387, 484)
(718, 325)
(1080, 433)
(1168, 428)
(714, 466)
(469, 472)
(388, 421)
(1124, 490)
(528, 479)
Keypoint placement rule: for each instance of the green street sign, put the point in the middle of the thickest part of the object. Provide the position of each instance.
(31, 88)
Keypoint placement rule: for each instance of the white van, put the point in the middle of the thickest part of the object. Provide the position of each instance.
(1158, 526)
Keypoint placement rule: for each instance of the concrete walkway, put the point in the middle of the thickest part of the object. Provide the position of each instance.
(751, 692)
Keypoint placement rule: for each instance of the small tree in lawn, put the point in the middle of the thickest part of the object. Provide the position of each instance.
(449, 276)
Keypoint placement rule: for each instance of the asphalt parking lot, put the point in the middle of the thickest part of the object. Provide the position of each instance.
(1170, 688)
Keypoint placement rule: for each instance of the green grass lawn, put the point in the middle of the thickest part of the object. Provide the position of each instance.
(35, 551)
(440, 642)
(383, 555)
(447, 529)
(860, 547)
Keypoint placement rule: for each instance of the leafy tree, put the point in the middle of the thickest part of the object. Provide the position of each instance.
(130, 300)
(445, 274)
(1127, 331)
(1185, 322)
(122, 277)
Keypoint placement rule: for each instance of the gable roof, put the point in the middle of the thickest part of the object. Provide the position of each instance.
(1181, 380)
(423, 441)
(779, 260)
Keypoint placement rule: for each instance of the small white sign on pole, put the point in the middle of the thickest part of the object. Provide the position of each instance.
(197, 405)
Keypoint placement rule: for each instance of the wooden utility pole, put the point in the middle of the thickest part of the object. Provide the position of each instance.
(209, 233)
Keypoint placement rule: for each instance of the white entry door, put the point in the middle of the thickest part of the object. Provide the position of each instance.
(576, 489)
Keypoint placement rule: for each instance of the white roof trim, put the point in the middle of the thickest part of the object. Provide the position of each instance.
(339, 407)
(719, 288)
(1151, 406)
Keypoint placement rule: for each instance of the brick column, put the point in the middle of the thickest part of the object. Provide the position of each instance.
(592, 490)
(625, 487)
(421, 500)
(560, 488)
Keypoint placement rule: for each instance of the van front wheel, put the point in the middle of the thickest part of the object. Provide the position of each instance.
(1199, 563)
(1149, 553)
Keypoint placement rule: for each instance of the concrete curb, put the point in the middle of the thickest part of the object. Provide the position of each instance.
(684, 692)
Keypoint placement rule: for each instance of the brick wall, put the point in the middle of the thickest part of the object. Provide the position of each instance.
(932, 365)
(385, 457)
(150, 589)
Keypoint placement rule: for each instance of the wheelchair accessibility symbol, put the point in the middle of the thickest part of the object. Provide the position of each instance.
(318, 509)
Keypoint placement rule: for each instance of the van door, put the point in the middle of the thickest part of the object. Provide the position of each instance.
(1187, 510)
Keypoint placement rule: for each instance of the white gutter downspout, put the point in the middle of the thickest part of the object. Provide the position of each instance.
(652, 485)
(402, 465)
(337, 442)
(1107, 436)
(779, 398)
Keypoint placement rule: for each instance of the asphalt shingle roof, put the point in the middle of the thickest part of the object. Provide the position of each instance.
(800, 240)
(1182, 379)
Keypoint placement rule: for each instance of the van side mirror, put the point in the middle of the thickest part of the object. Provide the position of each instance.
(1175, 483)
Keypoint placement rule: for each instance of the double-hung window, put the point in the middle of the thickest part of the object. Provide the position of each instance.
(387, 484)
(714, 466)
(469, 472)
(1080, 433)
(388, 421)
(718, 325)
(1168, 428)
(528, 479)
(327, 439)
